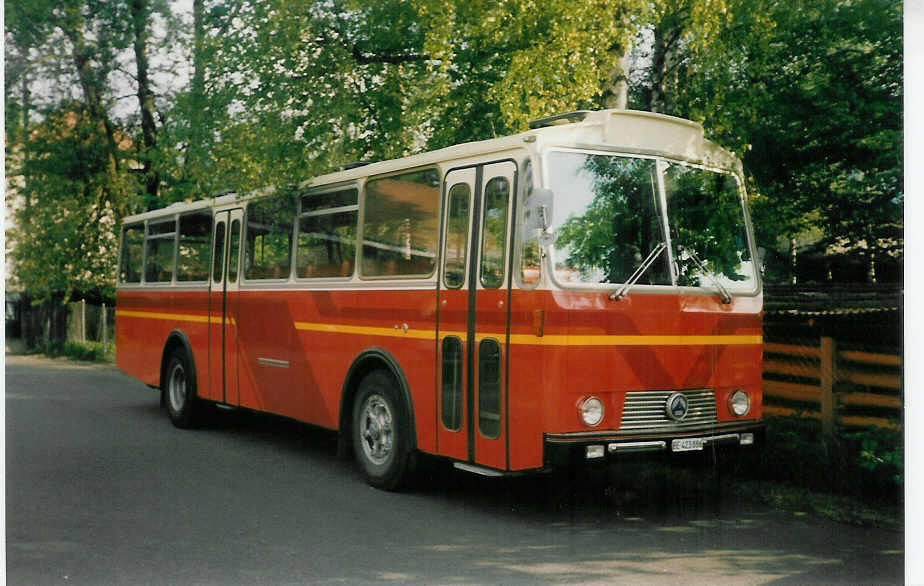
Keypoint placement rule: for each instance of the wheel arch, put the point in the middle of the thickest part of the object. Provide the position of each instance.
(177, 340)
(367, 361)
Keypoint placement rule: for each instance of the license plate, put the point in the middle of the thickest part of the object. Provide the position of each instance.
(688, 444)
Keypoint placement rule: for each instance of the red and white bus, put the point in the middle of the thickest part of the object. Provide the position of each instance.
(588, 288)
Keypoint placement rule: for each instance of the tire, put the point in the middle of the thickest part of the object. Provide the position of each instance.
(179, 391)
(380, 434)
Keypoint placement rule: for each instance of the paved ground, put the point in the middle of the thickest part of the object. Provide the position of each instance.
(101, 489)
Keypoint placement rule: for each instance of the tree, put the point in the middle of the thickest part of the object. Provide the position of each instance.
(318, 85)
(66, 240)
(808, 94)
(827, 139)
(67, 155)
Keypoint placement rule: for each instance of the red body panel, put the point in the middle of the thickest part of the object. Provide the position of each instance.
(307, 340)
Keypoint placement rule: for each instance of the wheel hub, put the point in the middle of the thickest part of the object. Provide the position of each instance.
(377, 430)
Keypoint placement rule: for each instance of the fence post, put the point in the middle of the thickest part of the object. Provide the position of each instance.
(83, 320)
(828, 376)
(105, 326)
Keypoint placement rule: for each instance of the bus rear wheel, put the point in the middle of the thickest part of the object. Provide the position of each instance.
(381, 440)
(180, 391)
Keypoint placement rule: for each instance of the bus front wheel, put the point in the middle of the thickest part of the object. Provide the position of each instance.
(380, 434)
(180, 391)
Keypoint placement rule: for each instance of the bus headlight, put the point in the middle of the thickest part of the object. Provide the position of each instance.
(591, 410)
(739, 403)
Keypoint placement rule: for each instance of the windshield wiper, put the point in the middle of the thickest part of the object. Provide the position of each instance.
(726, 296)
(649, 260)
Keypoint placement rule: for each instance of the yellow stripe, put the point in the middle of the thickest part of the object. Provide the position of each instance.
(364, 330)
(170, 316)
(515, 339)
(529, 339)
(635, 340)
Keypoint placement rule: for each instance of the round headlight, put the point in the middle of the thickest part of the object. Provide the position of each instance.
(739, 403)
(591, 411)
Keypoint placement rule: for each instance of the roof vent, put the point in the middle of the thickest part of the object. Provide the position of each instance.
(559, 119)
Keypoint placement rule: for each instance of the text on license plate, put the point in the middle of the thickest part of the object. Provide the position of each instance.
(688, 444)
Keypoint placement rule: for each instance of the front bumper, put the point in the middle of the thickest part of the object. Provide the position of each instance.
(566, 448)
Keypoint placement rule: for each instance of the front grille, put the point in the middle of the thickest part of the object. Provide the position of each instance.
(645, 410)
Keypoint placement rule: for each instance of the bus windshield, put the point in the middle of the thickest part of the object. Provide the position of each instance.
(609, 219)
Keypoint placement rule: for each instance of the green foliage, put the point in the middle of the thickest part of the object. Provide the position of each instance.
(808, 92)
(85, 351)
(321, 84)
(867, 463)
(65, 230)
(880, 452)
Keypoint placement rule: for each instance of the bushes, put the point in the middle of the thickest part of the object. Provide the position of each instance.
(91, 351)
(867, 463)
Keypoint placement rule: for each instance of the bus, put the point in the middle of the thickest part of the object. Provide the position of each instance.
(584, 291)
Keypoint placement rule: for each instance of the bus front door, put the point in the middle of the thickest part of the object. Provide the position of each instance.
(473, 314)
(224, 307)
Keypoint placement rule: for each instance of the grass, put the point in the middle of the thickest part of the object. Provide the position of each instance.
(84, 351)
(750, 482)
(845, 509)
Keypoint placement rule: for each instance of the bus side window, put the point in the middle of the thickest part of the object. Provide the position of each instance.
(456, 235)
(219, 255)
(400, 225)
(269, 238)
(489, 388)
(451, 388)
(132, 253)
(160, 246)
(326, 244)
(192, 258)
(530, 253)
(494, 239)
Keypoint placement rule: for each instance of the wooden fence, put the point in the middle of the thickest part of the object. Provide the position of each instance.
(844, 388)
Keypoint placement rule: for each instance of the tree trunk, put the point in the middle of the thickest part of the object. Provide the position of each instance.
(616, 85)
(26, 99)
(141, 16)
(196, 148)
(668, 31)
(91, 88)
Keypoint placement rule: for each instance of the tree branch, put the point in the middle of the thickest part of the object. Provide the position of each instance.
(366, 58)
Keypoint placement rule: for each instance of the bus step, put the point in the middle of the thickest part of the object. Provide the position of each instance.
(478, 469)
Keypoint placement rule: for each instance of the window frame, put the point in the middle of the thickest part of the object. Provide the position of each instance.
(125, 227)
(504, 240)
(208, 269)
(466, 248)
(530, 172)
(363, 208)
(245, 237)
(164, 236)
(658, 160)
(327, 189)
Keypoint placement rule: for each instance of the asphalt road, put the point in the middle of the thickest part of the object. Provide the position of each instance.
(102, 489)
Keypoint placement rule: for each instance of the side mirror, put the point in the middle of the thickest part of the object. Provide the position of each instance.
(538, 212)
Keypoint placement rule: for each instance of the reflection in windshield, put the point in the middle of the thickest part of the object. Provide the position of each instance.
(707, 222)
(607, 217)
